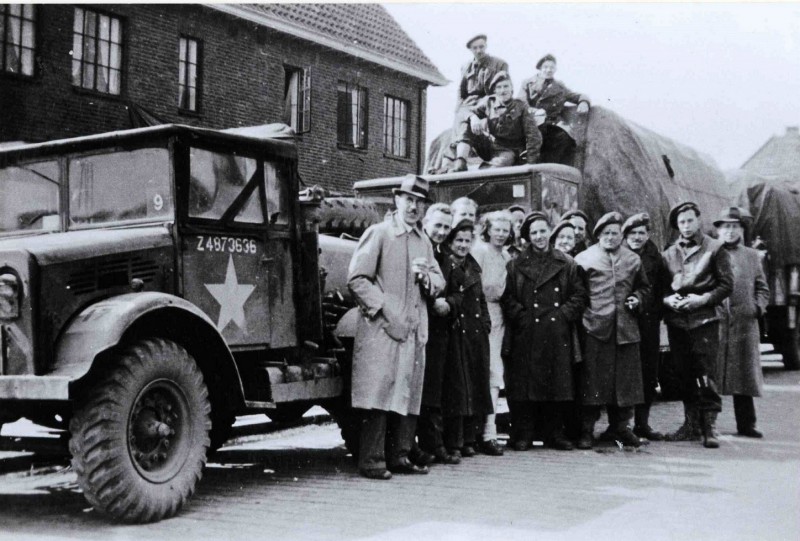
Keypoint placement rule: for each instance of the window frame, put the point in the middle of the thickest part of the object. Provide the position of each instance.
(183, 66)
(389, 121)
(301, 107)
(345, 128)
(80, 39)
(5, 41)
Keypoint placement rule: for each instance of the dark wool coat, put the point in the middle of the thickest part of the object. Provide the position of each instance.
(544, 298)
(436, 348)
(739, 361)
(612, 370)
(650, 317)
(465, 389)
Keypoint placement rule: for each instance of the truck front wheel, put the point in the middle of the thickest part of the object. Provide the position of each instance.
(140, 435)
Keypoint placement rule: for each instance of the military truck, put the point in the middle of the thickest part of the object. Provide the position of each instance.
(154, 284)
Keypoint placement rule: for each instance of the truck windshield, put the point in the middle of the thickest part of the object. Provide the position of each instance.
(118, 187)
(29, 198)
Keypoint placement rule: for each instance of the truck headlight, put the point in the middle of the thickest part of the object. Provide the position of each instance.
(9, 296)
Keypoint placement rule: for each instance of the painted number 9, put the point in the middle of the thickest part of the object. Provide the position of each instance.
(158, 202)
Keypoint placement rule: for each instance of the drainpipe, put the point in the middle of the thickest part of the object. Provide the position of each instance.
(422, 101)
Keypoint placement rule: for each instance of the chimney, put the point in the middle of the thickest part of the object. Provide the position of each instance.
(792, 130)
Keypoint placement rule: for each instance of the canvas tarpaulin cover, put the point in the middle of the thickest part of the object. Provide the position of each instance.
(776, 219)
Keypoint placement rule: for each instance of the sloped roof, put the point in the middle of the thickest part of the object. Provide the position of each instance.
(366, 31)
(779, 158)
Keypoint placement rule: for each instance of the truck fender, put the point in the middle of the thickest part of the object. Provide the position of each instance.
(103, 325)
(346, 327)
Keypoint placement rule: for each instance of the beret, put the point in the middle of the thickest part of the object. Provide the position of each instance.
(559, 226)
(479, 36)
(681, 207)
(529, 219)
(462, 225)
(573, 213)
(611, 218)
(499, 77)
(544, 59)
(637, 220)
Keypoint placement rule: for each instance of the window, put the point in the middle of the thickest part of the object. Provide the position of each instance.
(352, 115)
(29, 197)
(97, 51)
(297, 99)
(188, 74)
(217, 181)
(395, 126)
(17, 38)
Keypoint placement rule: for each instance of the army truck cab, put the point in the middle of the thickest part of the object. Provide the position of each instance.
(154, 284)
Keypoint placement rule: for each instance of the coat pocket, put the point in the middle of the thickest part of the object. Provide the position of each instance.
(395, 325)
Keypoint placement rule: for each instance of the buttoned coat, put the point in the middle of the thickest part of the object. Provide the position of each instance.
(612, 369)
(465, 389)
(436, 347)
(389, 350)
(703, 269)
(650, 316)
(739, 362)
(543, 299)
(551, 97)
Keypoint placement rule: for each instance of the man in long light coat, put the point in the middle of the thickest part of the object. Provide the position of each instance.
(391, 269)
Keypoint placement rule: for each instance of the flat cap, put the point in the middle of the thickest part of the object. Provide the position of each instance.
(529, 219)
(733, 215)
(559, 226)
(544, 59)
(637, 220)
(610, 218)
(681, 207)
(479, 36)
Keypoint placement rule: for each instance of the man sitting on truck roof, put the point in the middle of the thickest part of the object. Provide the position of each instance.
(499, 128)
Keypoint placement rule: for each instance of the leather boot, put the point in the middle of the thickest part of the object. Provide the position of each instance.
(642, 426)
(690, 430)
(586, 441)
(624, 433)
(710, 435)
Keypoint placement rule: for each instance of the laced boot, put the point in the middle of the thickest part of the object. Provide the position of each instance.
(625, 436)
(690, 430)
(642, 426)
(586, 441)
(710, 434)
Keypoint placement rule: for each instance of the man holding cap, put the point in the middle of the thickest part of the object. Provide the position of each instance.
(611, 372)
(392, 268)
(700, 278)
(499, 128)
(739, 363)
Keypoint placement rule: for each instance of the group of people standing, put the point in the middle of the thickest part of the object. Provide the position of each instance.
(454, 308)
(503, 130)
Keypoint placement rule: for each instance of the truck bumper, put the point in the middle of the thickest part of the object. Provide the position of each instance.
(34, 388)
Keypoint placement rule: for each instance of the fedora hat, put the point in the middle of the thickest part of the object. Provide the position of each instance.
(732, 215)
(413, 185)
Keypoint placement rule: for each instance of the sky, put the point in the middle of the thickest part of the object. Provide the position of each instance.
(721, 78)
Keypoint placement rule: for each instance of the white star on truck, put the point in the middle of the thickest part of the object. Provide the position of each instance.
(231, 296)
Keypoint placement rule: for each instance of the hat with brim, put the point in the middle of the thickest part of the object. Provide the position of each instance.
(413, 185)
(475, 38)
(682, 207)
(544, 59)
(499, 77)
(529, 219)
(637, 220)
(563, 224)
(611, 218)
(462, 225)
(733, 215)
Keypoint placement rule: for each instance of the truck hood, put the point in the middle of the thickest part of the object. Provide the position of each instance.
(57, 247)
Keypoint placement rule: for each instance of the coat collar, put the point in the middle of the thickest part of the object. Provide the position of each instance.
(541, 267)
(400, 228)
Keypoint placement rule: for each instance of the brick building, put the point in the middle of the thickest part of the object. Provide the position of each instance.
(345, 76)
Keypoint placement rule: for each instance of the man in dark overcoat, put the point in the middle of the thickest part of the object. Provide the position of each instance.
(739, 363)
(543, 299)
(636, 231)
(466, 396)
(700, 278)
(611, 372)
(476, 77)
(437, 224)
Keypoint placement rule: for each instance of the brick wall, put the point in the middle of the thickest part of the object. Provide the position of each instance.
(242, 85)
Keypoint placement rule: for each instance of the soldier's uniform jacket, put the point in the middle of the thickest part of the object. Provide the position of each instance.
(550, 95)
(511, 125)
(438, 335)
(476, 76)
(699, 265)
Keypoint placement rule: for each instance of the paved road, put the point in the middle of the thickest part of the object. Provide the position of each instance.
(301, 485)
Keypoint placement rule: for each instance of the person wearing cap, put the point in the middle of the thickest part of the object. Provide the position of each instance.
(476, 76)
(466, 398)
(636, 231)
(489, 251)
(611, 372)
(544, 298)
(392, 271)
(499, 128)
(563, 237)
(546, 97)
(699, 275)
(518, 213)
(580, 221)
(739, 362)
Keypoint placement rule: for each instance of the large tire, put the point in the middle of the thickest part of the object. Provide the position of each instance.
(785, 340)
(221, 429)
(140, 436)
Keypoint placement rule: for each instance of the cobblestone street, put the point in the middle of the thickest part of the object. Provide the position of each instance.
(300, 484)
